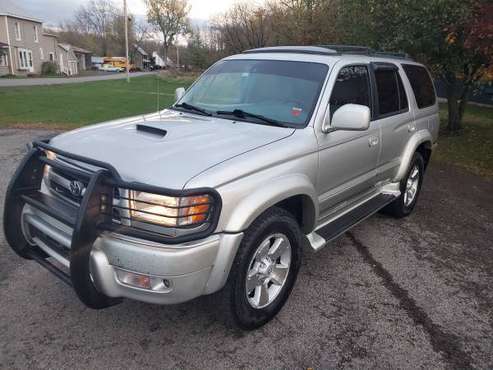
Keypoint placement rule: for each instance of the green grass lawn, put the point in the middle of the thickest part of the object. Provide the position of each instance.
(473, 148)
(73, 105)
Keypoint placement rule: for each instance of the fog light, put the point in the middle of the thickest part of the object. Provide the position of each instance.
(141, 281)
(133, 279)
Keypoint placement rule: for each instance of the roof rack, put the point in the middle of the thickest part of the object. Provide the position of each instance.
(348, 49)
(389, 54)
(293, 49)
(364, 50)
(330, 50)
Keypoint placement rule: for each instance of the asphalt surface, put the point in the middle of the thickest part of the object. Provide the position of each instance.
(17, 82)
(412, 293)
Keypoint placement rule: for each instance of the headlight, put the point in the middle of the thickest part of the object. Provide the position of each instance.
(169, 211)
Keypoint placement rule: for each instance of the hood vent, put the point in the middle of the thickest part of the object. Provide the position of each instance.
(152, 130)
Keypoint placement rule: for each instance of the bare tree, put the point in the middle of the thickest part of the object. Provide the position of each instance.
(97, 18)
(277, 22)
(170, 17)
(305, 22)
(141, 32)
(244, 26)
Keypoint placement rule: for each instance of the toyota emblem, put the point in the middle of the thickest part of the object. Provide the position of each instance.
(76, 188)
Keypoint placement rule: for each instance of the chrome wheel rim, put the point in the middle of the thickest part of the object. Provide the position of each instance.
(411, 186)
(268, 270)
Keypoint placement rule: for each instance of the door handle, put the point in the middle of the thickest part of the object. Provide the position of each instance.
(373, 140)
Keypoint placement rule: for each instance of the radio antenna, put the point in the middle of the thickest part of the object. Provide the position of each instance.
(158, 94)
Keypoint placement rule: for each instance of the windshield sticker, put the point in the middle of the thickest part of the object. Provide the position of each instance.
(295, 111)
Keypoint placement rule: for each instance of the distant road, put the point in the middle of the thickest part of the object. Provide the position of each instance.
(16, 82)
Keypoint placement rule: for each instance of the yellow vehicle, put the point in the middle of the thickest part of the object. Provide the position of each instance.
(119, 62)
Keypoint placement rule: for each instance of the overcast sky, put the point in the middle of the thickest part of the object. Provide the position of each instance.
(55, 11)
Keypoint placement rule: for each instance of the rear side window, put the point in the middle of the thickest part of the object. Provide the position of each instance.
(421, 84)
(392, 97)
(352, 87)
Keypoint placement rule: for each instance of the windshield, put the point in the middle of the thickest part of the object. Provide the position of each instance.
(277, 92)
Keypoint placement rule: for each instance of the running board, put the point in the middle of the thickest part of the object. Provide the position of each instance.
(338, 226)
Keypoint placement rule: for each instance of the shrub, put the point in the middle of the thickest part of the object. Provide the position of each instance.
(49, 69)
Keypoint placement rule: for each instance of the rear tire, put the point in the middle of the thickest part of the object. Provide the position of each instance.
(410, 187)
(264, 270)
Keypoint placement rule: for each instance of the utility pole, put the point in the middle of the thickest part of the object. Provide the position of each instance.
(126, 38)
(177, 57)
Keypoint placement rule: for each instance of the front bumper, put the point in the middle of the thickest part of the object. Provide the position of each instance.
(191, 269)
(93, 258)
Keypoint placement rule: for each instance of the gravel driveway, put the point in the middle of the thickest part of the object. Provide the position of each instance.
(412, 293)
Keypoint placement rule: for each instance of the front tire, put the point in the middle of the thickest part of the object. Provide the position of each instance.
(264, 270)
(410, 187)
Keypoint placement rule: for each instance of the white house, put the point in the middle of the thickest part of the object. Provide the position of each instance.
(160, 61)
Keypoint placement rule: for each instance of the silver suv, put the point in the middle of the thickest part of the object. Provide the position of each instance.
(268, 151)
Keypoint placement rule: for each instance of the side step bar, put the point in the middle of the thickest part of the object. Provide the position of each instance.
(336, 227)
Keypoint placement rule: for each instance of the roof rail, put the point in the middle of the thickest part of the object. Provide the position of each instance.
(293, 49)
(389, 54)
(348, 49)
(329, 50)
(364, 50)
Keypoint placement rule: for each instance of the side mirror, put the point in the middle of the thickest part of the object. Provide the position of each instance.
(349, 117)
(179, 92)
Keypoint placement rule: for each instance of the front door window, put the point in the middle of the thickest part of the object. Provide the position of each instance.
(351, 87)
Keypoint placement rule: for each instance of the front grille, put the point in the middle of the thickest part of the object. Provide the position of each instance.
(60, 184)
(62, 191)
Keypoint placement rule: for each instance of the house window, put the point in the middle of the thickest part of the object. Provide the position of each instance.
(18, 35)
(36, 38)
(41, 54)
(25, 59)
(22, 59)
(52, 57)
(3, 60)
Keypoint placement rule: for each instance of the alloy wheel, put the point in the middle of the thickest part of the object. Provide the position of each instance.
(268, 270)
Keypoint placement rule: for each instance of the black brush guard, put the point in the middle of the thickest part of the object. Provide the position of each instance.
(87, 220)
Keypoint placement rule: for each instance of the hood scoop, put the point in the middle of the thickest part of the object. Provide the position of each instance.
(156, 131)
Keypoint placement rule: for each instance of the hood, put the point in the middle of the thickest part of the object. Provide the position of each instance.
(167, 149)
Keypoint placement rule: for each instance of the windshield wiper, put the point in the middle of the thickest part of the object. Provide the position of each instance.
(194, 108)
(242, 114)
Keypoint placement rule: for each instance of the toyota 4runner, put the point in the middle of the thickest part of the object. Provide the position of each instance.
(267, 151)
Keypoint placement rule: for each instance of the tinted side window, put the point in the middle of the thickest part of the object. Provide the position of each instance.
(387, 89)
(352, 87)
(421, 83)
